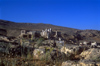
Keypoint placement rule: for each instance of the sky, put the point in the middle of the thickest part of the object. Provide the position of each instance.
(79, 14)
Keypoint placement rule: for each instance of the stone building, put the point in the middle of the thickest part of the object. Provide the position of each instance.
(27, 34)
(46, 33)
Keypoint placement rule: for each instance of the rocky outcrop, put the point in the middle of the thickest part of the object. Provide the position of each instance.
(91, 54)
(98, 63)
(73, 49)
(4, 38)
(73, 52)
(86, 63)
(80, 63)
(38, 52)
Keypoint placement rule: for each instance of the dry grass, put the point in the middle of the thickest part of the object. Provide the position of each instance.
(26, 61)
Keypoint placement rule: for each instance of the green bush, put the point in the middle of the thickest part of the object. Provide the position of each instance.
(39, 41)
(46, 57)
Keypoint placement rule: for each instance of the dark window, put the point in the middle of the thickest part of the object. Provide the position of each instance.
(24, 36)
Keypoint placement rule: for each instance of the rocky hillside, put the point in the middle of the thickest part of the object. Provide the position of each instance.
(13, 29)
(38, 50)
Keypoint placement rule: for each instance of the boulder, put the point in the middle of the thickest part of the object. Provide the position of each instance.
(4, 38)
(48, 53)
(38, 52)
(86, 63)
(73, 49)
(91, 54)
(53, 55)
(66, 50)
(98, 63)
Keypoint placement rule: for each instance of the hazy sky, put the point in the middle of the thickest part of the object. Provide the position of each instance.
(80, 14)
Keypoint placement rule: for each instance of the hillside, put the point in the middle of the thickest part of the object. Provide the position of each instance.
(47, 47)
(13, 27)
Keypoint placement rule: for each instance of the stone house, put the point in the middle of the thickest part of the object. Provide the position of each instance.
(46, 33)
(27, 34)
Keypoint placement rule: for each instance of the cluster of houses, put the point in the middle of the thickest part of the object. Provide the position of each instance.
(47, 33)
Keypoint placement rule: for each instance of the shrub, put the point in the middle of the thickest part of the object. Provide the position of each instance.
(46, 57)
(39, 41)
